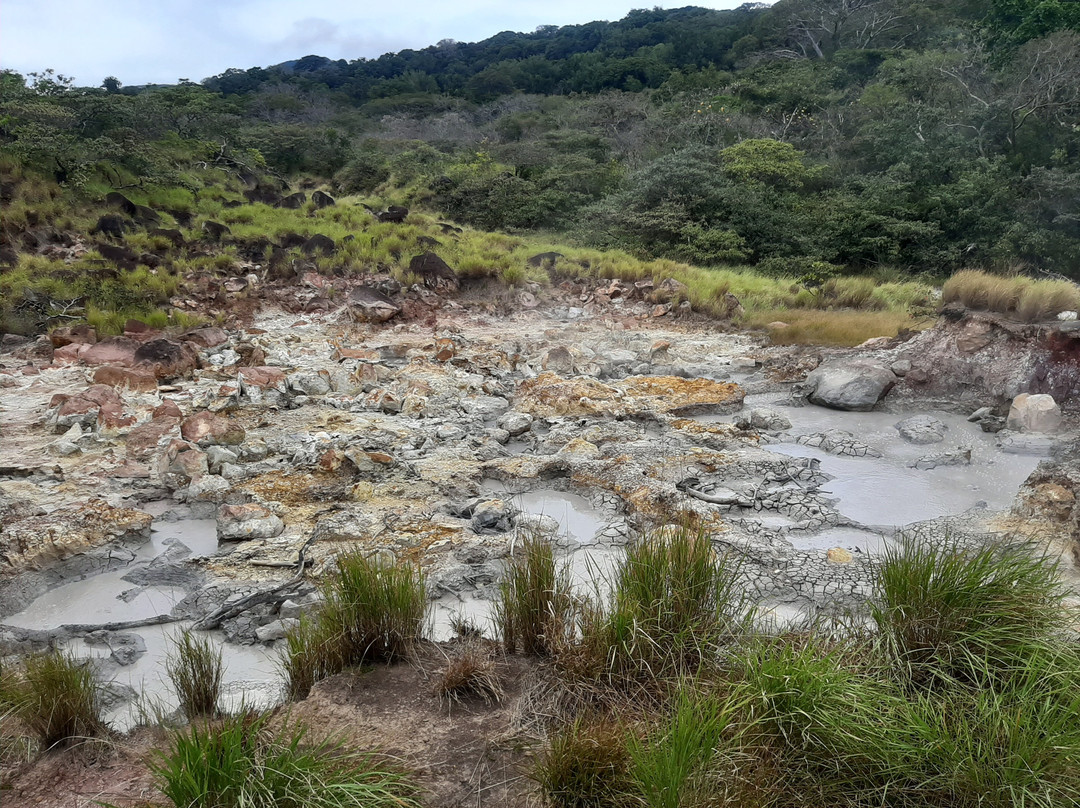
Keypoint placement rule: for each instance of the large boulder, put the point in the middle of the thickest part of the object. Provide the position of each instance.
(181, 464)
(134, 379)
(252, 521)
(166, 358)
(1034, 413)
(119, 351)
(368, 305)
(433, 271)
(853, 385)
(85, 408)
(209, 428)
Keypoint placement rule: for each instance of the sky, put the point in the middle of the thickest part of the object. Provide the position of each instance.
(161, 41)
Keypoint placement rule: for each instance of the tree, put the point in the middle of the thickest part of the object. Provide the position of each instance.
(820, 28)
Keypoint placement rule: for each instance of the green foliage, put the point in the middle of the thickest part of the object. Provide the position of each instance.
(947, 611)
(195, 669)
(770, 162)
(56, 697)
(243, 762)
(370, 612)
(535, 608)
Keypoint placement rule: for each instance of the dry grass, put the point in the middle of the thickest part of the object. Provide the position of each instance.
(471, 673)
(1028, 299)
(841, 328)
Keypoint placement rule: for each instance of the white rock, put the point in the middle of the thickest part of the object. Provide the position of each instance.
(1034, 413)
(1067, 316)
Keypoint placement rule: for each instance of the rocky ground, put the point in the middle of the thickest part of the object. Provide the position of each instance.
(376, 417)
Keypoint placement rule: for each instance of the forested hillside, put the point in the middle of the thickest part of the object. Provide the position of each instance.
(807, 137)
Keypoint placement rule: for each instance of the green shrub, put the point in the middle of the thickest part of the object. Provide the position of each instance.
(195, 669)
(674, 602)
(586, 765)
(949, 611)
(534, 610)
(370, 612)
(243, 763)
(57, 698)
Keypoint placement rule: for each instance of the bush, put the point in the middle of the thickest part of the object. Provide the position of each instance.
(243, 763)
(470, 673)
(57, 698)
(534, 610)
(586, 765)
(674, 602)
(370, 612)
(195, 670)
(948, 611)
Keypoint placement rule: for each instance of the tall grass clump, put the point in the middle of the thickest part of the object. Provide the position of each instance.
(370, 612)
(57, 698)
(674, 602)
(690, 757)
(1043, 300)
(243, 763)
(535, 608)
(586, 765)
(946, 610)
(195, 668)
(1002, 745)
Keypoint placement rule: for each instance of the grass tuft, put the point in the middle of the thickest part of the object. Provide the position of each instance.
(243, 763)
(56, 697)
(535, 607)
(195, 669)
(471, 673)
(586, 765)
(370, 612)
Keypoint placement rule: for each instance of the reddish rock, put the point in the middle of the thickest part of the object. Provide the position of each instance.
(111, 351)
(166, 358)
(84, 408)
(381, 457)
(445, 350)
(70, 354)
(57, 400)
(112, 420)
(136, 328)
(30, 370)
(206, 337)
(167, 409)
(262, 376)
(143, 440)
(206, 427)
(181, 464)
(73, 335)
(137, 380)
(330, 460)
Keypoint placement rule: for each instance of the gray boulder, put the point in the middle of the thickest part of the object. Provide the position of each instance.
(854, 385)
(921, 429)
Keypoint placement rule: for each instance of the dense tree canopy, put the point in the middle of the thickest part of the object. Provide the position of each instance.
(920, 135)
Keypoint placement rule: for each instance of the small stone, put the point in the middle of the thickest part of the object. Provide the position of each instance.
(838, 555)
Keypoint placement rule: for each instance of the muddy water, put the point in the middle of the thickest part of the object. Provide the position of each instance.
(886, 492)
(251, 675)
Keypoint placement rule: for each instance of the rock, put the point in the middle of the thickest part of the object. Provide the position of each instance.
(1037, 445)
(838, 555)
(209, 488)
(921, 429)
(321, 199)
(111, 351)
(515, 423)
(142, 441)
(368, 305)
(669, 290)
(549, 395)
(206, 337)
(206, 428)
(433, 271)
(1034, 413)
(491, 516)
(319, 244)
(217, 456)
(243, 522)
(979, 414)
(768, 420)
(132, 379)
(309, 383)
(276, 630)
(180, 464)
(559, 360)
(1067, 316)
(166, 358)
(958, 457)
(901, 367)
(853, 385)
(75, 334)
(85, 408)
(215, 231)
